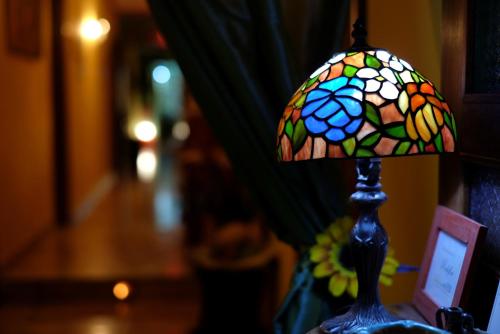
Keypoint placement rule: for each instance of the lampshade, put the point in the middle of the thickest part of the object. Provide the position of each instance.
(366, 103)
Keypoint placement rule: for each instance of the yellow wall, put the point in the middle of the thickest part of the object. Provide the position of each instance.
(26, 180)
(411, 30)
(88, 98)
(26, 126)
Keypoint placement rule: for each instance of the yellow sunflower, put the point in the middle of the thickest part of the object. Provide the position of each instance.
(332, 257)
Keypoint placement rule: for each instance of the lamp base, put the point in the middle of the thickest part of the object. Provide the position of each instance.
(357, 318)
(368, 244)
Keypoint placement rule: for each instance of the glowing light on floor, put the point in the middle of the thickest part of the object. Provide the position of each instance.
(94, 29)
(161, 74)
(146, 165)
(181, 130)
(122, 290)
(145, 131)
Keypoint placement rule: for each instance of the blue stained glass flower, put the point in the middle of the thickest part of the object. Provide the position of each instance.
(334, 109)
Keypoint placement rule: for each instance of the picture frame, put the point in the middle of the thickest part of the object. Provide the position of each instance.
(23, 27)
(449, 259)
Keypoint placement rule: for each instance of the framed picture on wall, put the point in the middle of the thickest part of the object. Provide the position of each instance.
(23, 27)
(445, 274)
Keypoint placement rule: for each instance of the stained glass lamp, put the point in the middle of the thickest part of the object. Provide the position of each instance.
(365, 103)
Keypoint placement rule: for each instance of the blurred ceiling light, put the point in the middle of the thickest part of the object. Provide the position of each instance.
(122, 290)
(161, 74)
(145, 131)
(92, 29)
(146, 164)
(181, 130)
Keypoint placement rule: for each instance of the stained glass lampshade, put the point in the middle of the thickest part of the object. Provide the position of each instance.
(365, 103)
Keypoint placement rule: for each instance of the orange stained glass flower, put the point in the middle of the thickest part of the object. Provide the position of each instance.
(426, 117)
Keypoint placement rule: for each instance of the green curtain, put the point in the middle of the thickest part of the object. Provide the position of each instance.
(235, 57)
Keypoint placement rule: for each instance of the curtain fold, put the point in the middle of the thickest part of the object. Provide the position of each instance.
(235, 58)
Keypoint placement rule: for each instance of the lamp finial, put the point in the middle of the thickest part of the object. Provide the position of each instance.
(359, 34)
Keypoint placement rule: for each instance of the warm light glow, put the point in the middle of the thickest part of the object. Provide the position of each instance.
(146, 164)
(145, 131)
(94, 29)
(161, 74)
(122, 290)
(181, 130)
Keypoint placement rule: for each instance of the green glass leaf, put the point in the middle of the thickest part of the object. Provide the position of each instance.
(438, 142)
(352, 53)
(415, 77)
(349, 145)
(422, 78)
(362, 153)
(289, 128)
(421, 146)
(402, 148)
(311, 81)
(372, 61)
(299, 135)
(438, 94)
(280, 154)
(454, 127)
(350, 71)
(372, 114)
(447, 120)
(371, 139)
(398, 131)
(300, 101)
(398, 77)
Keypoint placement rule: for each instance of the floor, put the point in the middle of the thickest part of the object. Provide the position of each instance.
(142, 317)
(64, 282)
(120, 239)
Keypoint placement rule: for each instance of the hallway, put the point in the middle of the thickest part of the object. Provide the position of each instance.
(64, 282)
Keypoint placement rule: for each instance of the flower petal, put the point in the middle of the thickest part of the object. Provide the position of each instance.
(337, 57)
(327, 110)
(403, 102)
(392, 261)
(315, 126)
(389, 91)
(372, 86)
(335, 84)
(311, 107)
(352, 288)
(389, 269)
(385, 280)
(320, 70)
(340, 119)
(389, 75)
(347, 223)
(324, 269)
(337, 285)
(318, 253)
(335, 135)
(336, 231)
(323, 239)
(367, 73)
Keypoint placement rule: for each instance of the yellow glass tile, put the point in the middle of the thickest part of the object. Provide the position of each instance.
(422, 129)
(410, 128)
(428, 115)
(403, 102)
(439, 116)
